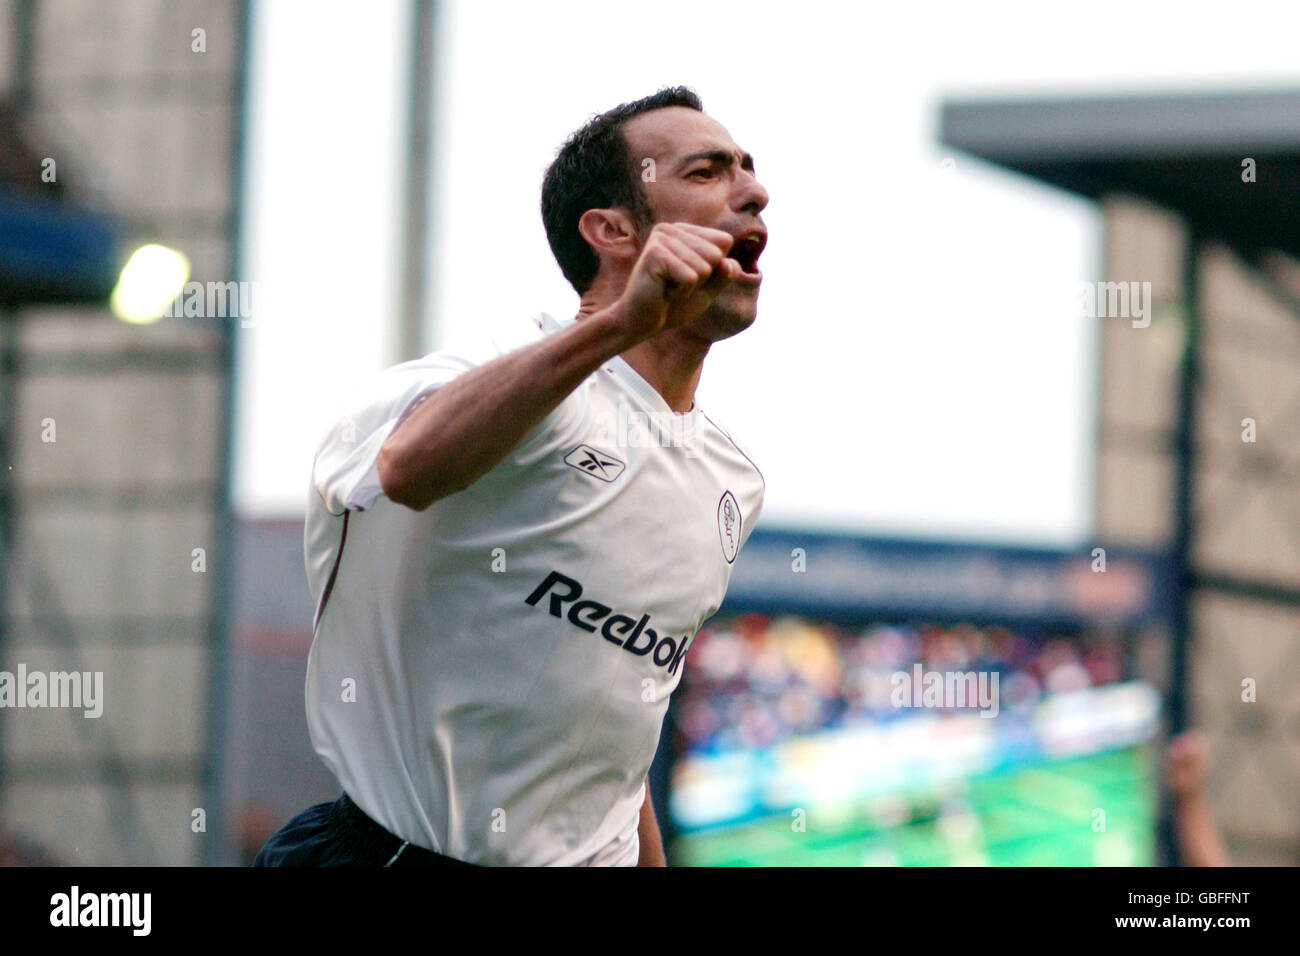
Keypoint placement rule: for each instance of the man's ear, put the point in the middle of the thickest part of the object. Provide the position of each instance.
(611, 233)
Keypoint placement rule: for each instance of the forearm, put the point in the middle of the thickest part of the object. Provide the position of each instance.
(465, 428)
(652, 846)
(1198, 838)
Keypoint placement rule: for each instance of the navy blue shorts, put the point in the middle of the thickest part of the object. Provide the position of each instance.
(340, 834)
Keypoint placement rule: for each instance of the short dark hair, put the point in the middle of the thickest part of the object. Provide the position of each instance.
(594, 170)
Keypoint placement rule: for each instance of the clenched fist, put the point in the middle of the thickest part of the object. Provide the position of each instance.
(681, 269)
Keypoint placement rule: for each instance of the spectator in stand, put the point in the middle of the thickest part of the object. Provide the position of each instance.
(17, 850)
(1187, 759)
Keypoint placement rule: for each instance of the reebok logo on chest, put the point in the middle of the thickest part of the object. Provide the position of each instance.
(634, 635)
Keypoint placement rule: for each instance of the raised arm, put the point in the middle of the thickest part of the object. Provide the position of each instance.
(466, 427)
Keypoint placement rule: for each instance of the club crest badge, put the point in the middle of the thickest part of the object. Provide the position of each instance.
(729, 524)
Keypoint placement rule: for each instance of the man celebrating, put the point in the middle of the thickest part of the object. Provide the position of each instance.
(506, 588)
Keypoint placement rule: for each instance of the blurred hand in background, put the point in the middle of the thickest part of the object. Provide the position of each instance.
(1187, 761)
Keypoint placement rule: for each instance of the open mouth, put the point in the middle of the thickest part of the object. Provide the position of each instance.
(746, 250)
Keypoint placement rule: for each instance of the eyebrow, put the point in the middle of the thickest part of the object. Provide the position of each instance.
(719, 157)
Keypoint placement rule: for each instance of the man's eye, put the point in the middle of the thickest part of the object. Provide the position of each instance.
(706, 171)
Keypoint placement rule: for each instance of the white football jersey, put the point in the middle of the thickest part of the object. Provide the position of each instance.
(488, 677)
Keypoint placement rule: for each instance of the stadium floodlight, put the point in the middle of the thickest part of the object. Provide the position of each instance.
(150, 281)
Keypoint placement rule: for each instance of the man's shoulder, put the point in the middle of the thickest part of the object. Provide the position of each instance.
(462, 352)
(475, 346)
(730, 436)
(503, 336)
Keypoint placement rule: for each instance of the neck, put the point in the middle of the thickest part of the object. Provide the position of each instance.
(671, 362)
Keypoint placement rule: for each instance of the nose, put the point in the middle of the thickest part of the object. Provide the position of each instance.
(750, 194)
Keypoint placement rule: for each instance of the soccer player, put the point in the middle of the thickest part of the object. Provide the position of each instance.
(511, 553)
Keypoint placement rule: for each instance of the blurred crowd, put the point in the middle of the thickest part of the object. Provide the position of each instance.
(753, 681)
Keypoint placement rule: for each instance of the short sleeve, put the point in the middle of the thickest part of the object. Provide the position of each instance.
(345, 472)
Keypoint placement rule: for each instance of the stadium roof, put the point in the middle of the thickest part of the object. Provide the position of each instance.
(1183, 152)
